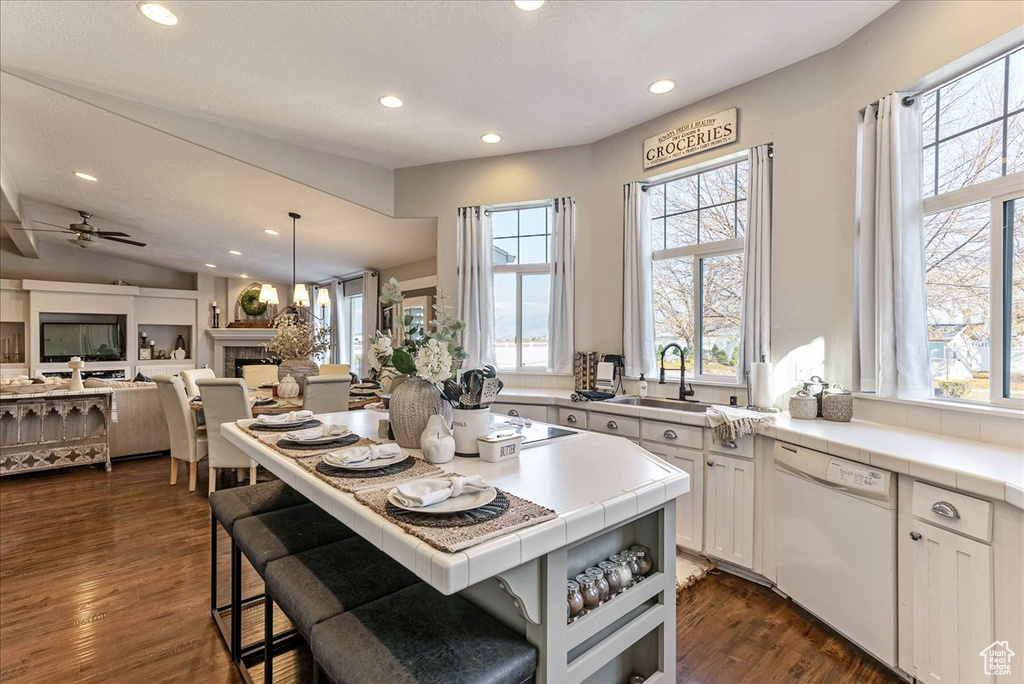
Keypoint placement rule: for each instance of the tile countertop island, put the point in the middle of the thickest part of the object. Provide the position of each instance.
(989, 470)
(607, 494)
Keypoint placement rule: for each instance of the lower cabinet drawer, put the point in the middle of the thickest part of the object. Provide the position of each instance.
(622, 426)
(573, 418)
(670, 433)
(744, 446)
(522, 411)
(953, 511)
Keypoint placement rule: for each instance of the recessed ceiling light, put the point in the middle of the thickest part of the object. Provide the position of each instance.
(491, 138)
(662, 86)
(243, 275)
(211, 265)
(86, 176)
(528, 5)
(154, 11)
(391, 101)
(270, 231)
(235, 252)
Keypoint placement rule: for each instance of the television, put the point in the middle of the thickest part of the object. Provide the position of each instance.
(92, 338)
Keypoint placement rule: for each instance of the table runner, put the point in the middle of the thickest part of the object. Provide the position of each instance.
(521, 513)
(353, 484)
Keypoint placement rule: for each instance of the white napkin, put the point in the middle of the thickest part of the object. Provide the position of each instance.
(362, 454)
(429, 491)
(318, 432)
(290, 417)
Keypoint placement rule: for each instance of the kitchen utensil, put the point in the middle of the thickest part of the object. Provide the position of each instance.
(452, 391)
(837, 404)
(803, 406)
(490, 390)
(489, 371)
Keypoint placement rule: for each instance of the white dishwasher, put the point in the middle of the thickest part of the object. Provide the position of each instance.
(836, 544)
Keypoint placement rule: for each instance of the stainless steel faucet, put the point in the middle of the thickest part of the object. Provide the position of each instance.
(685, 390)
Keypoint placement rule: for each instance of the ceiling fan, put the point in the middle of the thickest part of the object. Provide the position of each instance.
(85, 232)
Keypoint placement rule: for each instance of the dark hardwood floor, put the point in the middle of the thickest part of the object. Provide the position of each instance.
(104, 578)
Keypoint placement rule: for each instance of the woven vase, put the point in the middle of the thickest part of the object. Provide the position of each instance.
(412, 404)
(299, 369)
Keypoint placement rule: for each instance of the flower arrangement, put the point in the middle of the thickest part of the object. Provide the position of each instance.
(297, 339)
(431, 351)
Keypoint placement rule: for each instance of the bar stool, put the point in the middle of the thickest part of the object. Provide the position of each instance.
(420, 636)
(318, 584)
(226, 508)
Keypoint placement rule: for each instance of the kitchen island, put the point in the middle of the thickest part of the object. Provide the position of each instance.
(606, 493)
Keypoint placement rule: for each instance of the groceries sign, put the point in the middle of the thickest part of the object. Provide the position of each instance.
(691, 138)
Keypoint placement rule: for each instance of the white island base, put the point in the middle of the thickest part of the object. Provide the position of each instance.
(608, 494)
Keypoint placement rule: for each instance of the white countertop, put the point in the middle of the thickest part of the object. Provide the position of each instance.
(591, 481)
(989, 470)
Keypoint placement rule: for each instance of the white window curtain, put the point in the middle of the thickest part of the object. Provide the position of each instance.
(757, 260)
(370, 309)
(476, 285)
(339, 323)
(638, 285)
(893, 330)
(561, 314)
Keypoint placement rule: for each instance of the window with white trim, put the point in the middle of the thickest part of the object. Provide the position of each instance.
(973, 149)
(522, 253)
(698, 224)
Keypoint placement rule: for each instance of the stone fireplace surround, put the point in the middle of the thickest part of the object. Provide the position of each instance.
(230, 344)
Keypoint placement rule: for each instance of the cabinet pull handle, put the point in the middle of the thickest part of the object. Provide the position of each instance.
(945, 509)
(571, 419)
(730, 444)
(612, 425)
(916, 536)
(513, 413)
(711, 463)
(671, 434)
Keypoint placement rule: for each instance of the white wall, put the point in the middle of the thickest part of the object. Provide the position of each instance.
(808, 110)
(67, 263)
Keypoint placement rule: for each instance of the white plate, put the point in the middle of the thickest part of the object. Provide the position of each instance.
(320, 440)
(375, 464)
(289, 424)
(464, 502)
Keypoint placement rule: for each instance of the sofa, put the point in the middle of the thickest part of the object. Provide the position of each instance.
(141, 427)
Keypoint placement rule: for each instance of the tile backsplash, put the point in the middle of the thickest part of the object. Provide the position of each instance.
(951, 421)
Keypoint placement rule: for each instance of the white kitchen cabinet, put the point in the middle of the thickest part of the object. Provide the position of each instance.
(729, 514)
(952, 605)
(530, 411)
(690, 506)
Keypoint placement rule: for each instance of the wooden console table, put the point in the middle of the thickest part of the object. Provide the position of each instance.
(54, 429)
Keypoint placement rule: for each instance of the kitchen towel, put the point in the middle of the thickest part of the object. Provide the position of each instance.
(427, 492)
(729, 424)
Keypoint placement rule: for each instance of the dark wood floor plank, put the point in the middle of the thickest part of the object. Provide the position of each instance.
(104, 578)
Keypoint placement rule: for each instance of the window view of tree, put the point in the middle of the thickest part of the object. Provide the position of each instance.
(973, 132)
(697, 227)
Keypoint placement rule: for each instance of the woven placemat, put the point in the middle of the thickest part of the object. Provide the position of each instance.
(257, 426)
(350, 482)
(351, 439)
(521, 513)
(489, 511)
(272, 440)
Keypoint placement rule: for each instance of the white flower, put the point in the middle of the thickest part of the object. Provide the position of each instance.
(434, 362)
(391, 292)
(380, 351)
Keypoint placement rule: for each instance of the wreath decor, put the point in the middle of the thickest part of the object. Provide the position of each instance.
(251, 304)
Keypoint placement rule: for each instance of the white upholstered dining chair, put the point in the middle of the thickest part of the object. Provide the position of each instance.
(189, 377)
(225, 400)
(187, 444)
(259, 374)
(334, 369)
(326, 394)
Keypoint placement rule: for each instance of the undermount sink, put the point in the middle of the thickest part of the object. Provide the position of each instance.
(657, 402)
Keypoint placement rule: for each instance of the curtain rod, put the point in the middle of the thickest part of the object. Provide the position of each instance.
(909, 99)
(643, 188)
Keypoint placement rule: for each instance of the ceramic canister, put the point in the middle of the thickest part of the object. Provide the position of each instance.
(803, 406)
(837, 404)
(468, 425)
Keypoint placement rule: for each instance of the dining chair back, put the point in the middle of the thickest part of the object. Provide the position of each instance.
(327, 394)
(259, 374)
(225, 400)
(189, 377)
(186, 444)
(334, 369)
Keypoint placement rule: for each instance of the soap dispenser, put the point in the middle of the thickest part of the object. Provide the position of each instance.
(643, 385)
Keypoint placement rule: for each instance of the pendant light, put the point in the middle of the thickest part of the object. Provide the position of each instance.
(268, 294)
(300, 295)
(323, 297)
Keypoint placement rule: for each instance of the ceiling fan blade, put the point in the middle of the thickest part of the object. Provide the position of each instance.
(43, 230)
(127, 242)
(65, 228)
(109, 233)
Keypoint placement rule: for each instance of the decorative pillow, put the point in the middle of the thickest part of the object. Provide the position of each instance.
(142, 378)
(93, 383)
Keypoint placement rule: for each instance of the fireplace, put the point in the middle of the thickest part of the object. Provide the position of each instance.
(238, 344)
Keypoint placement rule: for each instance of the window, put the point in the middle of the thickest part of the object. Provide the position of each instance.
(973, 148)
(698, 224)
(522, 244)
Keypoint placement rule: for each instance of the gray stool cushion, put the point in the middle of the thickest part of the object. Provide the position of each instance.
(420, 636)
(231, 505)
(267, 537)
(318, 584)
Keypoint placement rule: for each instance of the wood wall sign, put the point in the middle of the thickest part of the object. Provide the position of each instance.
(691, 138)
